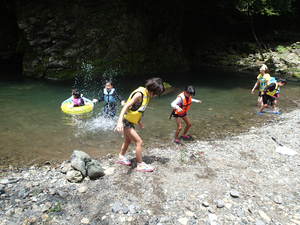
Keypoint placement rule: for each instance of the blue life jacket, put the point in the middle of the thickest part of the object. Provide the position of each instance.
(108, 97)
(273, 79)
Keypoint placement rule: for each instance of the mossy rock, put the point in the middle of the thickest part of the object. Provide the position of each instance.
(166, 85)
(296, 74)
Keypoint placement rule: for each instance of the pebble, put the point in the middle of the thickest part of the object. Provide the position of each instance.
(116, 208)
(85, 221)
(234, 193)
(109, 171)
(295, 221)
(206, 204)
(220, 203)
(183, 220)
(264, 216)
(82, 189)
(278, 199)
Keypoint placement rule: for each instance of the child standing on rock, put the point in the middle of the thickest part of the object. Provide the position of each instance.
(131, 115)
(180, 107)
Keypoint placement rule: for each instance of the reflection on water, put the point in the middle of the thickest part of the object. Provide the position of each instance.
(34, 129)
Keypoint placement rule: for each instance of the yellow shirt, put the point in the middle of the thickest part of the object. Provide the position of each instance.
(263, 81)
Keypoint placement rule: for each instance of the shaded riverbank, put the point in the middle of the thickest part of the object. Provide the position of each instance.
(237, 180)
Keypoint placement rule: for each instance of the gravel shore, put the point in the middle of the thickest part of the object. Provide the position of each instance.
(236, 180)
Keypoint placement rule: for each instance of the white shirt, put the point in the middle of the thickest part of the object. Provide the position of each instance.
(178, 100)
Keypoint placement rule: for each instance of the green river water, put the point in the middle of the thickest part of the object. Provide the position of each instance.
(34, 130)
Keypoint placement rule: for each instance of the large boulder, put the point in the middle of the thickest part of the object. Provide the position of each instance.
(74, 176)
(81, 155)
(79, 165)
(94, 169)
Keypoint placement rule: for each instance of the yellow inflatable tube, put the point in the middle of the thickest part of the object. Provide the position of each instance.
(78, 109)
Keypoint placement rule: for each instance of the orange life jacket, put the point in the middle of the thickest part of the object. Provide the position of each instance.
(184, 105)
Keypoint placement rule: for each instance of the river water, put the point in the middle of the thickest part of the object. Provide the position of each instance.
(34, 130)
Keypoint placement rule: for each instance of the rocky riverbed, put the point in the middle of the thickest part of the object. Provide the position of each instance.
(236, 180)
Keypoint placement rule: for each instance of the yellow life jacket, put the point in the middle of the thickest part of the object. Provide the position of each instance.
(272, 93)
(135, 116)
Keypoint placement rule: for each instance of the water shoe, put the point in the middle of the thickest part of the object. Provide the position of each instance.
(147, 168)
(186, 136)
(124, 162)
(276, 112)
(259, 113)
(177, 141)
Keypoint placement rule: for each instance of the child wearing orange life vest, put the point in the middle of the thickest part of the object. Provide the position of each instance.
(181, 105)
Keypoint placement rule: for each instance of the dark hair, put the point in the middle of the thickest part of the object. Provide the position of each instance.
(282, 80)
(155, 85)
(190, 90)
(76, 93)
(108, 81)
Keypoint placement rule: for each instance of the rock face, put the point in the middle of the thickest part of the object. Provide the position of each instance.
(286, 61)
(67, 39)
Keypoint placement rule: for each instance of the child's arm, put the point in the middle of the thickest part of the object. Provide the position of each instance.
(99, 100)
(116, 95)
(136, 98)
(255, 85)
(71, 106)
(269, 87)
(197, 101)
(175, 104)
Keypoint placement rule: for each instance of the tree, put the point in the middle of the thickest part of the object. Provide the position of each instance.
(263, 7)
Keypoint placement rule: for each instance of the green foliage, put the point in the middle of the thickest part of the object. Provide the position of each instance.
(166, 85)
(56, 208)
(182, 157)
(280, 49)
(265, 7)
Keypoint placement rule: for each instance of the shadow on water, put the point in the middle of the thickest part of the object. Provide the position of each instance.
(35, 130)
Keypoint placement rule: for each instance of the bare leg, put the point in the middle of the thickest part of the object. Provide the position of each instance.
(131, 134)
(188, 124)
(260, 102)
(262, 108)
(177, 119)
(274, 103)
(126, 143)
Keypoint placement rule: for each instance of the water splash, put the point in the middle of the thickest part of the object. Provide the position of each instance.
(85, 82)
(97, 124)
(88, 81)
